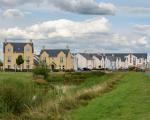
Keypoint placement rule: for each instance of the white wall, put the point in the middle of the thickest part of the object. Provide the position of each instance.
(81, 61)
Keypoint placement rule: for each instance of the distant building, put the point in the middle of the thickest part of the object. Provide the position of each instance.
(111, 60)
(84, 60)
(11, 52)
(60, 59)
(36, 59)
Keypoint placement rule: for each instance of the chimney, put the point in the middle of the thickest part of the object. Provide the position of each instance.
(67, 47)
(30, 40)
(5, 40)
(43, 48)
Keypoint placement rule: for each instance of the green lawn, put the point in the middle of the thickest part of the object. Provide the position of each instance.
(22, 76)
(130, 100)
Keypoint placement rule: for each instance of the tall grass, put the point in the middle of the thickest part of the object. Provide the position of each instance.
(16, 96)
(30, 101)
(56, 109)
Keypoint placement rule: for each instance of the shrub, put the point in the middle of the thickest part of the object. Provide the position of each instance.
(41, 70)
(131, 68)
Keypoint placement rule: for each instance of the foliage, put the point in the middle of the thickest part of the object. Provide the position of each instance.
(41, 70)
(16, 96)
(1, 63)
(41, 95)
(19, 60)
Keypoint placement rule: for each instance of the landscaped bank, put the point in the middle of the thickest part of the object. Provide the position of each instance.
(73, 96)
(129, 101)
(25, 97)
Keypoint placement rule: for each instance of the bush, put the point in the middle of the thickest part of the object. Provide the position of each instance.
(41, 70)
(131, 68)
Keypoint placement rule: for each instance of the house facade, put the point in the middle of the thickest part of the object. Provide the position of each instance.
(11, 52)
(60, 59)
(111, 60)
(84, 60)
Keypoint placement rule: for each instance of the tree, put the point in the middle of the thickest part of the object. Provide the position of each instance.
(19, 60)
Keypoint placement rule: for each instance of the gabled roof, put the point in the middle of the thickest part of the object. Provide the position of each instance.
(55, 52)
(98, 56)
(112, 58)
(140, 55)
(18, 47)
(122, 55)
(88, 56)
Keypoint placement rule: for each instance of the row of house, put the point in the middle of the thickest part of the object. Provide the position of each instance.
(110, 60)
(62, 59)
(54, 58)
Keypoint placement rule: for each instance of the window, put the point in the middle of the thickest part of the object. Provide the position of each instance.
(28, 59)
(130, 58)
(63, 67)
(44, 59)
(61, 59)
(140, 61)
(9, 59)
(27, 49)
(9, 49)
(134, 61)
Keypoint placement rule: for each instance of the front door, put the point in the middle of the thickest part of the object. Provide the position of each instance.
(52, 67)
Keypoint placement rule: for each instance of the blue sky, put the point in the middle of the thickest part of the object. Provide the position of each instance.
(83, 25)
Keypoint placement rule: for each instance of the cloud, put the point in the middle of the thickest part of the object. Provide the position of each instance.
(91, 35)
(136, 10)
(13, 3)
(90, 7)
(58, 28)
(142, 27)
(13, 13)
(85, 7)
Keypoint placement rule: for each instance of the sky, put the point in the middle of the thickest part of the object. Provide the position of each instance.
(83, 25)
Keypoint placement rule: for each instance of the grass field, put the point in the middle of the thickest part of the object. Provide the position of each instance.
(129, 101)
(19, 92)
(75, 96)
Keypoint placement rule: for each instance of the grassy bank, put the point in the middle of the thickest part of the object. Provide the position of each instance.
(22, 97)
(129, 101)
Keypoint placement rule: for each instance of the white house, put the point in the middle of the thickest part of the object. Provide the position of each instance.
(84, 60)
(111, 60)
(98, 62)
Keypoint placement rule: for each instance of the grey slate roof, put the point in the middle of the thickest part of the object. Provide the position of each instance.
(141, 55)
(18, 47)
(113, 56)
(55, 52)
(88, 56)
(98, 56)
(122, 55)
